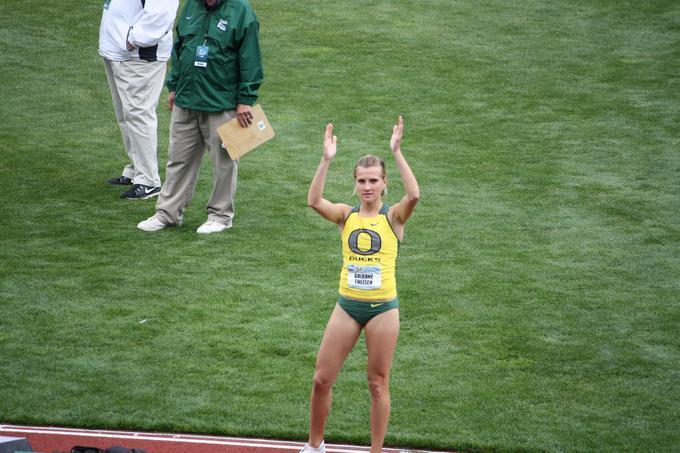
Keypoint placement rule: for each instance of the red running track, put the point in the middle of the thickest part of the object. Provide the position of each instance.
(52, 440)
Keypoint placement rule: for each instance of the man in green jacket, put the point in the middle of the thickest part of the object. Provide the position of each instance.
(216, 72)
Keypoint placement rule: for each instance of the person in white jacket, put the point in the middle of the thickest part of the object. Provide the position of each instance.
(135, 41)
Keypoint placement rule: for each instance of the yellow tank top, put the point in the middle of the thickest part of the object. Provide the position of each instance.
(369, 257)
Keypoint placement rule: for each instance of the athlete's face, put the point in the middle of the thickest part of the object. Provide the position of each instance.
(369, 182)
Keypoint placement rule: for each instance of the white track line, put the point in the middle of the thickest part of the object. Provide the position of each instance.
(183, 438)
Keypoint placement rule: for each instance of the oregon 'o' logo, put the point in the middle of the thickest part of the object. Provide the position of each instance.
(353, 242)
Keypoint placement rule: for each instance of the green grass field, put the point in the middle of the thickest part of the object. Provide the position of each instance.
(539, 277)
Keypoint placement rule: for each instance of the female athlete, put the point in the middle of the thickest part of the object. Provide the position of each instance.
(367, 300)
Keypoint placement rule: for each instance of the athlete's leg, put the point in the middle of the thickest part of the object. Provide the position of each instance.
(342, 333)
(381, 338)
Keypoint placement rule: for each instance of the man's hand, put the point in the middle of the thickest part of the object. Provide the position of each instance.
(171, 100)
(129, 46)
(244, 114)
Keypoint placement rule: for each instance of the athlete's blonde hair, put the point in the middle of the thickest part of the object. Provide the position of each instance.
(369, 160)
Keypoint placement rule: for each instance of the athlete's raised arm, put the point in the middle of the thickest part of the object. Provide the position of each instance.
(401, 211)
(335, 212)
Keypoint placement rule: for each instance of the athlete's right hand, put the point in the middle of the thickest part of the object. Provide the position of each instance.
(397, 134)
(330, 142)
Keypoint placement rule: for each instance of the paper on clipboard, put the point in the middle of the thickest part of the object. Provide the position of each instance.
(239, 140)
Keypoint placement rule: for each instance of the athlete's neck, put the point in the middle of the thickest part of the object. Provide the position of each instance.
(370, 208)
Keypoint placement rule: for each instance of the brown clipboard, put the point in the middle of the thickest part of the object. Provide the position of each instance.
(240, 140)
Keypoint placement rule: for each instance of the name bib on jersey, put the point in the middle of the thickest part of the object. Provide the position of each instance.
(364, 277)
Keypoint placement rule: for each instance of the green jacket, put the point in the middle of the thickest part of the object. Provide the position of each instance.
(234, 66)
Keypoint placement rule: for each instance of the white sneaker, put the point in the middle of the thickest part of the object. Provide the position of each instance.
(212, 226)
(151, 224)
(309, 449)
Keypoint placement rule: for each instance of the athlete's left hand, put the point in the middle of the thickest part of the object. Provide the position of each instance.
(397, 133)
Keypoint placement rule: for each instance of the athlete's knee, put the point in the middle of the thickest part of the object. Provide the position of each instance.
(378, 384)
(322, 382)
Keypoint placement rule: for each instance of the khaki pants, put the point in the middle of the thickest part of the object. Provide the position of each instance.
(191, 132)
(135, 87)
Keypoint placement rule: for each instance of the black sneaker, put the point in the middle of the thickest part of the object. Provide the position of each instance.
(120, 181)
(140, 192)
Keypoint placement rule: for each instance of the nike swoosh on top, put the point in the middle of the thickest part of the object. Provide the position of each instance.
(376, 305)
